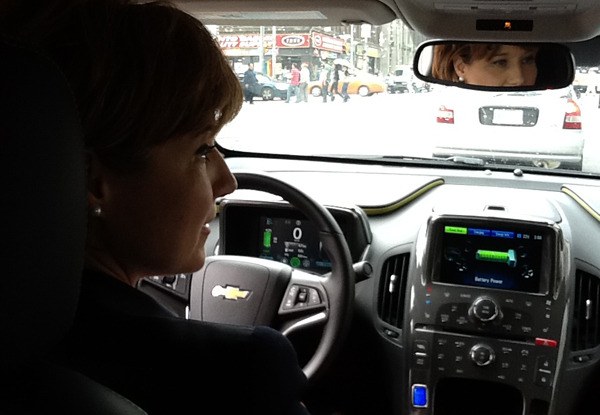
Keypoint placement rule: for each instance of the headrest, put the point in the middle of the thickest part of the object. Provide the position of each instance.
(42, 194)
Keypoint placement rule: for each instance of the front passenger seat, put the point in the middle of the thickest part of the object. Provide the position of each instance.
(43, 222)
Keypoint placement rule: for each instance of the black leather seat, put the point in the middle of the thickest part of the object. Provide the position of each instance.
(43, 221)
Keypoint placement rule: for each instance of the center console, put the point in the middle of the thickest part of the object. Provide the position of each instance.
(485, 317)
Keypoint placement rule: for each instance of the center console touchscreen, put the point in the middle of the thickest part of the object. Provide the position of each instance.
(493, 254)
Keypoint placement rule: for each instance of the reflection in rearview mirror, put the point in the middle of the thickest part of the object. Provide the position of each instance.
(490, 65)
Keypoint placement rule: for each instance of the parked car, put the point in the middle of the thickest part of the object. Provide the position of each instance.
(400, 81)
(587, 81)
(267, 88)
(538, 128)
(362, 84)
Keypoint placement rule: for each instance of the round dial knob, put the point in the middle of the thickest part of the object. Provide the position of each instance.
(485, 309)
(482, 354)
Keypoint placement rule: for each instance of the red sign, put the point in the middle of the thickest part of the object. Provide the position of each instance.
(326, 42)
(293, 41)
(252, 41)
(239, 41)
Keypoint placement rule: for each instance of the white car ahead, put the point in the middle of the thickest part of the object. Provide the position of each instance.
(539, 128)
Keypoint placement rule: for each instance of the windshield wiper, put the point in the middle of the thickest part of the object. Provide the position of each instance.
(473, 161)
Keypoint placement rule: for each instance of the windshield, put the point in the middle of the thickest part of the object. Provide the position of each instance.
(350, 92)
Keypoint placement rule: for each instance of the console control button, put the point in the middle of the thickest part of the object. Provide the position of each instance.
(482, 354)
(485, 309)
(420, 398)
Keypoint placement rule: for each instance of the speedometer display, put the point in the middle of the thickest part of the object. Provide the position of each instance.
(292, 241)
(280, 232)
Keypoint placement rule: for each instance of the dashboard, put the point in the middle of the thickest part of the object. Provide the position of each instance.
(482, 287)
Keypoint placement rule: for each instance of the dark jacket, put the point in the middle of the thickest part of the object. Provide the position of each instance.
(250, 78)
(127, 341)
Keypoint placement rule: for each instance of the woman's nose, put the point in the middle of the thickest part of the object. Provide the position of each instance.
(224, 182)
(515, 76)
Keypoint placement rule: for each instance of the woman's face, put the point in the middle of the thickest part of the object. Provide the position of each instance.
(510, 65)
(155, 221)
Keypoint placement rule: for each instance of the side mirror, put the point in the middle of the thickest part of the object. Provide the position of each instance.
(495, 66)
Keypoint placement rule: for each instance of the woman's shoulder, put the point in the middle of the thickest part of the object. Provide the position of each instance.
(121, 335)
(103, 296)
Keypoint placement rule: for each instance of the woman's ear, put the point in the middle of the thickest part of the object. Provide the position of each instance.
(95, 182)
(459, 67)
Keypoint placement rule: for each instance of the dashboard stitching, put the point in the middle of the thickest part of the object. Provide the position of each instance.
(581, 202)
(384, 209)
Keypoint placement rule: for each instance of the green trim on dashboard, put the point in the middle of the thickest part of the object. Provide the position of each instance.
(581, 202)
(384, 209)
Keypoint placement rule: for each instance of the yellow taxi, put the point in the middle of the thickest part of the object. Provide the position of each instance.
(363, 84)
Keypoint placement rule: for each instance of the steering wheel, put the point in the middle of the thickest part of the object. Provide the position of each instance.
(254, 291)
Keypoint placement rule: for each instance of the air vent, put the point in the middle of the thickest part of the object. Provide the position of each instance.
(586, 333)
(392, 288)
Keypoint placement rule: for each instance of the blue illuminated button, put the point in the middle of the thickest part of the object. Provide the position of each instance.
(419, 396)
(503, 234)
(479, 232)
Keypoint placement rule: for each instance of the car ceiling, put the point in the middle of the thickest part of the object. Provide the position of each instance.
(530, 20)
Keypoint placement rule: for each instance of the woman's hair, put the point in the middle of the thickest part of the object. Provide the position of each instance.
(142, 74)
(445, 55)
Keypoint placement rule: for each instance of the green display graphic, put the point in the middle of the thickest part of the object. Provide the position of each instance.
(295, 262)
(455, 229)
(267, 238)
(509, 257)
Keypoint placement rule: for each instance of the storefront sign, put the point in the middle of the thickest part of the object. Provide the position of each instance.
(293, 41)
(326, 42)
(239, 41)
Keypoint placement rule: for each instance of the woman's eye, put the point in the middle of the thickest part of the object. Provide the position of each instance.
(500, 62)
(529, 60)
(204, 151)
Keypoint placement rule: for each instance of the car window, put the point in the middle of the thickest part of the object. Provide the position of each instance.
(379, 105)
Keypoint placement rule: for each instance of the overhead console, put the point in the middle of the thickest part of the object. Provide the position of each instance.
(486, 315)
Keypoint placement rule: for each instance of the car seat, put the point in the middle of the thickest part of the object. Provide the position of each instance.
(43, 221)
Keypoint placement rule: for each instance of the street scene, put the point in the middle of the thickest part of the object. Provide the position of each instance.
(380, 125)
(375, 105)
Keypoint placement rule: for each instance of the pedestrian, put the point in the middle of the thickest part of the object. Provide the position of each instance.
(250, 82)
(324, 79)
(303, 85)
(344, 74)
(335, 81)
(293, 85)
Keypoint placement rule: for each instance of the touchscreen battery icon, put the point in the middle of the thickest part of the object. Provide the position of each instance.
(509, 257)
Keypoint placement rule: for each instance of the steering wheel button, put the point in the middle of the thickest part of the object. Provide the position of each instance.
(302, 295)
(314, 297)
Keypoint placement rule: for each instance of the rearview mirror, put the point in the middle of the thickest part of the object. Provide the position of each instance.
(495, 66)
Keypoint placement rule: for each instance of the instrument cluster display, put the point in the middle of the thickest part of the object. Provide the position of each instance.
(292, 241)
(280, 232)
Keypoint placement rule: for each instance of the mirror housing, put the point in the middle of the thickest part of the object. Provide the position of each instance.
(495, 66)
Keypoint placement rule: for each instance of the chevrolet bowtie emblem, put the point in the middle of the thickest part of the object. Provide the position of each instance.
(230, 292)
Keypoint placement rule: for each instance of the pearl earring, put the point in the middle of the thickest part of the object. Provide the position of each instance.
(461, 79)
(97, 211)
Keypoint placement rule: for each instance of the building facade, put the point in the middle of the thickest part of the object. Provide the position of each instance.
(373, 49)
